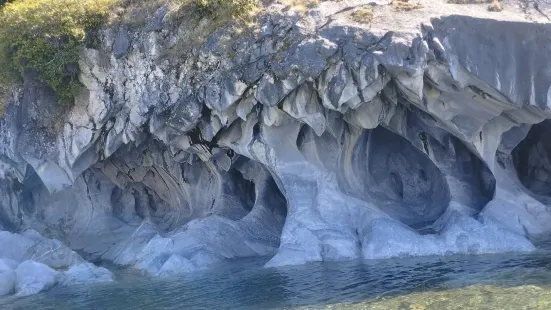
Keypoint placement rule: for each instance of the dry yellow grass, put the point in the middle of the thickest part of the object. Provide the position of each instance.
(137, 12)
(494, 6)
(300, 6)
(364, 16)
(134, 13)
(469, 1)
(406, 5)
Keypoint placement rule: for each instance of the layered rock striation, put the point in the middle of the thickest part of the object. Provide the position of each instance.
(309, 138)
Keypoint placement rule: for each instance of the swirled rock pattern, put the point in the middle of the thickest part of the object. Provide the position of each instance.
(310, 138)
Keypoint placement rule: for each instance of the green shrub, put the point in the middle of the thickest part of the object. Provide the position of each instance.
(47, 36)
(4, 96)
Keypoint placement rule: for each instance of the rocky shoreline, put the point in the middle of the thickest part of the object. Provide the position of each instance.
(307, 138)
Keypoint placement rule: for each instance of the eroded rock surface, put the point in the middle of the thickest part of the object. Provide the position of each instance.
(30, 263)
(308, 139)
(33, 277)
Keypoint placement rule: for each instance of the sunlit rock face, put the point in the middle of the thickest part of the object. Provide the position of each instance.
(300, 142)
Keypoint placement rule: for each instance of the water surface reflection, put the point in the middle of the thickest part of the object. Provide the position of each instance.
(247, 285)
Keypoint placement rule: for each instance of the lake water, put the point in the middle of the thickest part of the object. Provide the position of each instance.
(505, 281)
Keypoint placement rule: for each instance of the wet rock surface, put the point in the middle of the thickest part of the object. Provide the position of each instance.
(306, 141)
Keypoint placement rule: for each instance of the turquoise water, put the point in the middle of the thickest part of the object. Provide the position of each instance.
(247, 285)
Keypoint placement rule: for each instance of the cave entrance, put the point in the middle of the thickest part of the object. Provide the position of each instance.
(406, 183)
(532, 159)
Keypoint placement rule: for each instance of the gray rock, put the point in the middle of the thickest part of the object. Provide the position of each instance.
(86, 273)
(33, 277)
(39, 256)
(15, 246)
(174, 265)
(156, 22)
(7, 276)
(30, 245)
(121, 44)
(7, 282)
(7, 264)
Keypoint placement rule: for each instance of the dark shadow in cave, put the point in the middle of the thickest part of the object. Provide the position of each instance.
(244, 189)
(31, 184)
(532, 159)
(267, 193)
(404, 181)
(477, 182)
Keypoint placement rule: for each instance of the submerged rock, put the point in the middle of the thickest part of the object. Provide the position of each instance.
(471, 297)
(174, 265)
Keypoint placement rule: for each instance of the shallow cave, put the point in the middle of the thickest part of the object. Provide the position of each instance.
(471, 182)
(180, 192)
(532, 159)
(404, 181)
(381, 167)
(241, 188)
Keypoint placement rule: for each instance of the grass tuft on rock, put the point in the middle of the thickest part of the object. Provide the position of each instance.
(494, 6)
(300, 6)
(363, 16)
(226, 9)
(405, 5)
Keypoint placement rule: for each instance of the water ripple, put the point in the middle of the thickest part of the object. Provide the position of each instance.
(247, 285)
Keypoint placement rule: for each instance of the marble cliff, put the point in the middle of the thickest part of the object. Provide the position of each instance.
(308, 138)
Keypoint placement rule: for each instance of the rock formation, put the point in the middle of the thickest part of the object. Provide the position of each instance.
(308, 138)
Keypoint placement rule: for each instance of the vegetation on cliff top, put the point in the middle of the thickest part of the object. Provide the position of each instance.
(47, 36)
